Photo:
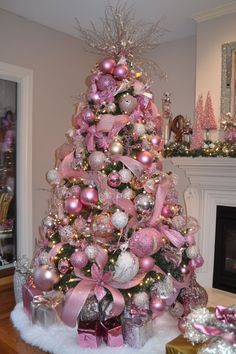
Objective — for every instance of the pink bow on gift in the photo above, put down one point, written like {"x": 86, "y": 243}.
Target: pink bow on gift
{"x": 216, "y": 332}
{"x": 97, "y": 283}
{"x": 226, "y": 315}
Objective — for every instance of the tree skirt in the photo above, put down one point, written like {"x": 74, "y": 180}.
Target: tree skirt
{"x": 60, "y": 339}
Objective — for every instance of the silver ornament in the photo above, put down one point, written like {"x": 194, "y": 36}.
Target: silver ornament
{"x": 91, "y": 251}
{"x": 128, "y": 193}
{"x": 126, "y": 175}
{"x": 111, "y": 107}
{"x": 66, "y": 233}
{"x": 97, "y": 160}
{"x": 126, "y": 267}
{"x": 49, "y": 222}
{"x": 119, "y": 219}
{"x": 141, "y": 299}
{"x": 144, "y": 203}
{"x": 192, "y": 251}
{"x": 139, "y": 129}
{"x": 53, "y": 177}
{"x": 90, "y": 310}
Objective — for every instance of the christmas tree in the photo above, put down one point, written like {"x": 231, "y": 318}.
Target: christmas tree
{"x": 197, "y": 140}
{"x": 115, "y": 241}
{"x": 209, "y": 121}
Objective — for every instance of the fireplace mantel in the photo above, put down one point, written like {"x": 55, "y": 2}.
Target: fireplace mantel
{"x": 212, "y": 182}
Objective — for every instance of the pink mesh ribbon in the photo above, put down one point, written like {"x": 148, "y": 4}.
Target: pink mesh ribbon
{"x": 98, "y": 283}
{"x": 173, "y": 236}
{"x": 134, "y": 166}
{"x": 159, "y": 201}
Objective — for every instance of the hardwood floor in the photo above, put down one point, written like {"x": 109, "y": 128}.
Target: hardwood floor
{"x": 10, "y": 341}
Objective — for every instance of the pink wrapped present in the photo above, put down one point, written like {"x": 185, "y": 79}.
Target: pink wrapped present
{"x": 29, "y": 291}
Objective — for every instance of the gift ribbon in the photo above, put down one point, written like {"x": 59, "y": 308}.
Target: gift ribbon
{"x": 216, "y": 332}
{"x": 226, "y": 314}
{"x": 97, "y": 283}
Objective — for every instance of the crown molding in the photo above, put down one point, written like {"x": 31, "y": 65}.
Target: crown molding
{"x": 217, "y": 12}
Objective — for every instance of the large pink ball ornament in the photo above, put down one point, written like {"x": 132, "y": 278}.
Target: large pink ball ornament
{"x": 166, "y": 211}
{"x": 94, "y": 97}
{"x": 107, "y": 65}
{"x": 72, "y": 205}
{"x": 146, "y": 263}
{"x": 145, "y": 157}
{"x": 157, "y": 305}
{"x": 145, "y": 242}
{"x": 105, "y": 81}
{"x": 89, "y": 196}
{"x": 79, "y": 259}
{"x": 97, "y": 160}
{"x": 127, "y": 104}
{"x": 114, "y": 179}
{"x": 45, "y": 277}
{"x": 121, "y": 71}
{"x": 88, "y": 115}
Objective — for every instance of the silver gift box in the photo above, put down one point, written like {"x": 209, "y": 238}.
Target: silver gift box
{"x": 46, "y": 309}
{"x": 137, "y": 330}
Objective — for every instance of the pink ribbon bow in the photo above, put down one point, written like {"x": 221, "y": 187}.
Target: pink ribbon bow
{"x": 226, "y": 314}
{"x": 216, "y": 332}
{"x": 97, "y": 283}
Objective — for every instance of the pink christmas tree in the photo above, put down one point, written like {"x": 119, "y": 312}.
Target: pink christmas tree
{"x": 197, "y": 136}
{"x": 209, "y": 121}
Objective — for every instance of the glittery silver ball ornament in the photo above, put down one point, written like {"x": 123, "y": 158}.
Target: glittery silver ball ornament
{"x": 128, "y": 193}
{"x": 126, "y": 267}
{"x": 139, "y": 129}
{"x": 66, "y": 233}
{"x": 97, "y": 160}
{"x": 53, "y": 177}
{"x": 141, "y": 299}
{"x": 192, "y": 251}
{"x": 49, "y": 222}
{"x": 119, "y": 219}
{"x": 126, "y": 175}
{"x": 111, "y": 107}
{"x": 144, "y": 203}
{"x": 116, "y": 148}
{"x": 177, "y": 309}
{"x": 90, "y": 310}
{"x": 43, "y": 258}
{"x": 91, "y": 251}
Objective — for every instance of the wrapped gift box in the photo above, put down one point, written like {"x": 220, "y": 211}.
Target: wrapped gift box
{"x": 90, "y": 334}
{"x": 112, "y": 332}
{"x": 29, "y": 291}
{"x": 46, "y": 309}
{"x": 180, "y": 345}
{"x": 137, "y": 330}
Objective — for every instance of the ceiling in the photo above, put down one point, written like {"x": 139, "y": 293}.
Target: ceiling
{"x": 176, "y": 15}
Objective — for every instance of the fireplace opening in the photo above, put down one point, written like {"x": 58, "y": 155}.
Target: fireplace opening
{"x": 224, "y": 276}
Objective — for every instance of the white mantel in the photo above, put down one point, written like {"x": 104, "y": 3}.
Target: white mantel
{"x": 212, "y": 182}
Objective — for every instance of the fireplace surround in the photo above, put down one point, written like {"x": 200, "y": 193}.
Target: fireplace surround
{"x": 211, "y": 184}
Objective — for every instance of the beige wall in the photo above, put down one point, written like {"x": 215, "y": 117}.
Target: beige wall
{"x": 60, "y": 65}
{"x": 210, "y": 36}
{"x": 177, "y": 60}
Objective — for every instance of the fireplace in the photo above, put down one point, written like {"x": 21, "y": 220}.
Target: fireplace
{"x": 224, "y": 275}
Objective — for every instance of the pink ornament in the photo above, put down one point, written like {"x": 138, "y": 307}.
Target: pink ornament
{"x": 72, "y": 205}
{"x": 105, "y": 82}
{"x": 156, "y": 141}
{"x": 114, "y": 179}
{"x": 79, "y": 259}
{"x": 45, "y": 277}
{"x": 145, "y": 157}
{"x": 157, "y": 304}
{"x": 128, "y": 103}
{"x": 166, "y": 211}
{"x": 102, "y": 227}
{"x": 184, "y": 269}
{"x": 196, "y": 262}
{"x": 121, "y": 71}
{"x": 65, "y": 221}
{"x": 94, "y": 97}
{"x": 145, "y": 242}
{"x": 88, "y": 196}
{"x": 146, "y": 263}
{"x": 63, "y": 266}
{"x": 107, "y": 65}
{"x": 88, "y": 115}
{"x": 75, "y": 190}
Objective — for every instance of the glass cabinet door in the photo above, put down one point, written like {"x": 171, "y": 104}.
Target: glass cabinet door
{"x": 8, "y": 126}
